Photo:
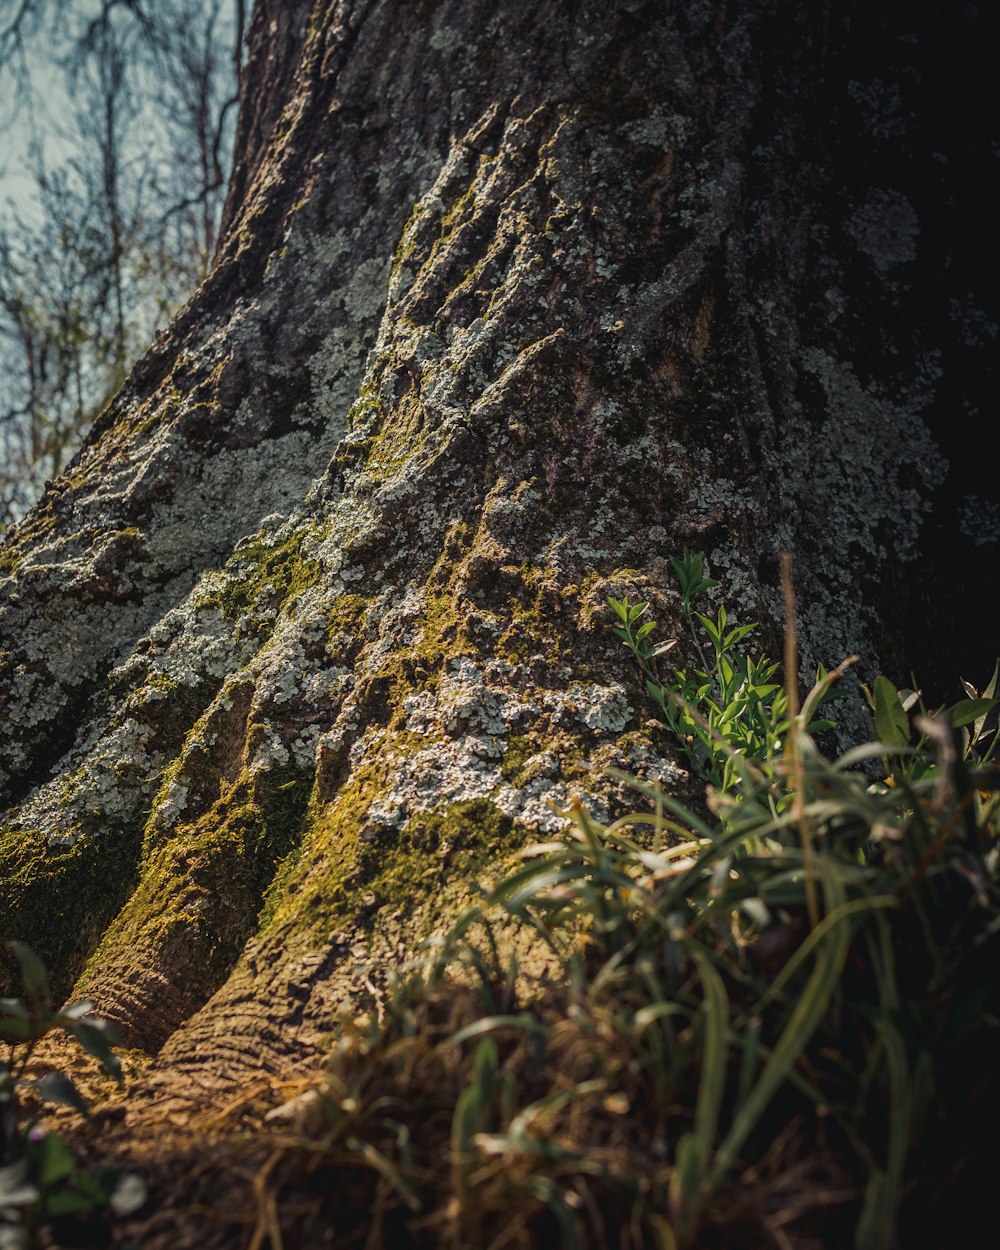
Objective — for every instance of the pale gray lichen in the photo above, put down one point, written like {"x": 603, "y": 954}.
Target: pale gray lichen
{"x": 975, "y": 327}
{"x": 600, "y": 707}
{"x": 858, "y": 463}
{"x": 979, "y": 520}
{"x": 881, "y": 105}
{"x": 886, "y": 228}
{"x": 464, "y": 769}
{"x": 857, "y": 480}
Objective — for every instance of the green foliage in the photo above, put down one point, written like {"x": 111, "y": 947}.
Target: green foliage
{"x": 904, "y": 725}
{"x": 729, "y": 711}
{"x": 47, "y": 1198}
{"x": 41, "y": 1185}
{"x": 23, "y": 1024}
{"x": 691, "y": 576}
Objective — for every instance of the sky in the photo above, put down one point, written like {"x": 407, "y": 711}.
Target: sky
{"x": 34, "y": 105}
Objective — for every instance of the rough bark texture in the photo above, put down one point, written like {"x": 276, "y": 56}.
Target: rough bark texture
{"x": 512, "y": 302}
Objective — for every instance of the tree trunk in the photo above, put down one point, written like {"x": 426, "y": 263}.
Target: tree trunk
{"x": 512, "y": 302}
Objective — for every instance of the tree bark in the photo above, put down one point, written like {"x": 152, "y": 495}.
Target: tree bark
{"x": 511, "y": 303}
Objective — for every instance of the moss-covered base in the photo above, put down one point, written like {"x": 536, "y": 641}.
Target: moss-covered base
{"x": 60, "y": 902}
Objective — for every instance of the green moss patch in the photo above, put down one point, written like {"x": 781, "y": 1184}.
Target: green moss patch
{"x": 348, "y": 868}
{"x": 60, "y": 901}
{"x": 201, "y": 889}
{"x": 262, "y": 575}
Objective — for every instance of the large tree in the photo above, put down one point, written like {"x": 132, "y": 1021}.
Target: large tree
{"x": 512, "y": 301}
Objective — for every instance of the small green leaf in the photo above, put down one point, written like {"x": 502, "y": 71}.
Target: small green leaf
{"x": 653, "y": 690}
{"x": 34, "y": 976}
{"x": 968, "y": 710}
{"x": 509, "y": 1095}
{"x": 96, "y": 1186}
{"x": 739, "y": 633}
{"x": 16, "y": 1189}
{"x": 55, "y": 1160}
{"x": 66, "y": 1203}
{"x": 891, "y": 722}
{"x": 710, "y": 629}
{"x": 465, "y": 1124}
{"x": 484, "y": 1069}
{"x": 15, "y": 1030}
{"x": 96, "y": 1037}
{"x": 59, "y": 1088}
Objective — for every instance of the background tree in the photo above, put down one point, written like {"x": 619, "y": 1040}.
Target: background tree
{"x": 118, "y": 222}
{"x": 510, "y": 303}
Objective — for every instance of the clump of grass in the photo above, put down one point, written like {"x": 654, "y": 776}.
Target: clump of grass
{"x": 775, "y": 1027}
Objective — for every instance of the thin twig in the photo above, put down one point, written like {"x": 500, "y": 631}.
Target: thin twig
{"x": 267, "y": 1214}
{"x": 793, "y": 752}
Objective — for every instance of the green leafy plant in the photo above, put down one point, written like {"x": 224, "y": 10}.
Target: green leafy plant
{"x": 41, "y": 1185}
{"x": 903, "y": 723}
{"x": 46, "y": 1197}
{"x": 23, "y": 1024}
{"x": 729, "y": 711}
